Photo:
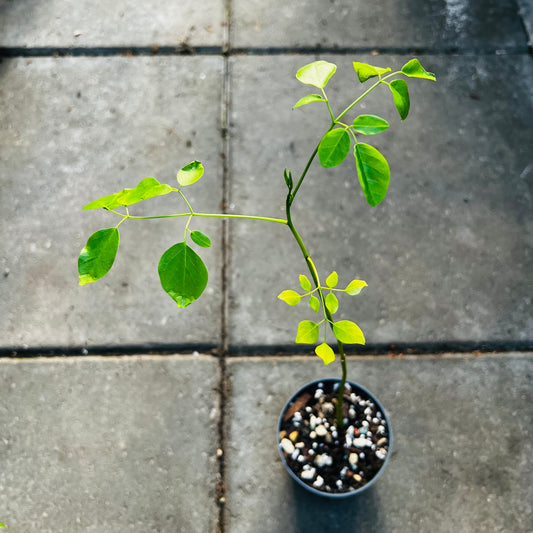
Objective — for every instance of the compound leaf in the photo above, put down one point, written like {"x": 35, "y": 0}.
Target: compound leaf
{"x": 183, "y": 274}
{"x": 98, "y": 255}
{"x": 314, "y": 303}
{"x": 325, "y": 353}
{"x": 332, "y": 304}
{"x": 400, "y": 94}
{"x": 334, "y": 147}
{"x": 147, "y": 188}
{"x": 414, "y": 69}
{"x": 373, "y": 172}
{"x": 317, "y": 73}
{"x": 309, "y": 99}
{"x": 290, "y": 297}
{"x": 355, "y": 287}
{"x": 365, "y": 71}
{"x": 307, "y": 332}
{"x": 190, "y": 173}
{"x": 201, "y": 239}
{"x": 348, "y": 332}
{"x": 369, "y": 124}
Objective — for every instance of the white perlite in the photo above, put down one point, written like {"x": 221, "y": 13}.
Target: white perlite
{"x": 308, "y": 474}
{"x": 362, "y": 443}
{"x": 288, "y": 446}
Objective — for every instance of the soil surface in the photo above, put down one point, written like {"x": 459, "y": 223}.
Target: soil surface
{"x": 328, "y": 458}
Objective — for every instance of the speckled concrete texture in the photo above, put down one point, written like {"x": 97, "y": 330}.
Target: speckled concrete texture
{"x": 448, "y": 254}
{"x": 461, "y": 459}
{"x": 109, "y": 444}
{"x": 71, "y": 23}
{"x": 75, "y": 129}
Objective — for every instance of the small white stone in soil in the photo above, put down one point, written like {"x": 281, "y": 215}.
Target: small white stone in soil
{"x": 375, "y": 421}
{"x": 300, "y": 445}
{"x": 328, "y": 438}
{"x": 363, "y": 430}
{"x": 321, "y": 430}
{"x": 381, "y": 430}
{"x": 288, "y": 446}
{"x": 308, "y": 474}
{"x": 381, "y": 453}
{"x": 325, "y": 423}
{"x": 301, "y": 458}
{"x": 348, "y": 440}
{"x": 379, "y": 415}
{"x": 357, "y": 477}
{"x": 295, "y": 454}
{"x": 311, "y": 452}
{"x": 312, "y": 435}
{"x": 328, "y": 408}
{"x": 308, "y": 409}
{"x": 382, "y": 441}
{"x": 353, "y": 459}
{"x": 334, "y": 434}
{"x": 365, "y": 423}
{"x": 368, "y": 411}
{"x": 351, "y": 412}
{"x": 339, "y": 483}
{"x": 314, "y": 421}
{"x": 362, "y": 443}
{"x": 319, "y": 481}
{"x": 297, "y": 416}
{"x": 323, "y": 460}
{"x": 343, "y": 472}
{"x": 362, "y": 456}
{"x": 319, "y": 393}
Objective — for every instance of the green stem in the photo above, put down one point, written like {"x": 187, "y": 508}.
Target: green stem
{"x": 328, "y": 317}
{"x": 381, "y": 80}
{"x": 210, "y": 215}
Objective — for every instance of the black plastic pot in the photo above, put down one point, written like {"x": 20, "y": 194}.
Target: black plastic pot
{"x": 364, "y": 394}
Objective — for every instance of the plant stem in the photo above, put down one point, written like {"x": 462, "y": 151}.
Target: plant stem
{"x": 210, "y": 215}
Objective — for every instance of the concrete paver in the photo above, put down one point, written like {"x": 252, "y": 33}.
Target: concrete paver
{"x": 462, "y": 447}
{"x": 71, "y": 23}
{"x": 75, "y": 129}
{"x": 448, "y": 254}
{"x": 495, "y": 24}
{"x": 109, "y": 444}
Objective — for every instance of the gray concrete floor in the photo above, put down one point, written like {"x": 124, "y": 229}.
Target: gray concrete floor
{"x": 153, "y": 418}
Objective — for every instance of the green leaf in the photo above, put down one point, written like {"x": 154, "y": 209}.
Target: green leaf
{"x": 325, "y": 353}
{"x": 307, "y": 332}
{"x": 400, "y": 93}
{"x": 355, "y": 287}
{"x": 348, "y": 332}
{"x": 290, "y": 297}
{"x": 98, "y": 256}
{"x": 2, "y": 525}
{"x": 304, "y": 282}
{"x": 309, "y": 99}
{"x": 365, "y": 71}
{"x": 414, "y": 69}
{"x": 332, "y": 304}
{"x": 369, "y": 124}
{"x": 201, "y": 239}
{"x": 183, "y": 274}
{"x": 317, "y": 73}
{"x": 147, "y": 188}
{"x": 314, "y": 303}
{"x": 332, "y": 280}
{"x": 373, "y": 172}
{"x": 334, "y": 148}
{"x": 190, "y": 173}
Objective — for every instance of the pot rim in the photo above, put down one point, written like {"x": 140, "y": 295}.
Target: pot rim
{"x": 334, "y": 495}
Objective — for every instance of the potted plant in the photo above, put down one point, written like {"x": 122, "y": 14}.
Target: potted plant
{"x": 333, "y": 435}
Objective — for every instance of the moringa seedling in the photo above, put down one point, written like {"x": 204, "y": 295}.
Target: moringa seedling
{"x": 182, "y": 272}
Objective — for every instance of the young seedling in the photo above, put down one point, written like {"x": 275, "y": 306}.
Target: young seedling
{"x": 182, "y": 272}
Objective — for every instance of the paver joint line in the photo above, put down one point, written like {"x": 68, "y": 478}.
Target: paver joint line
{"x": 155, "y": 50}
